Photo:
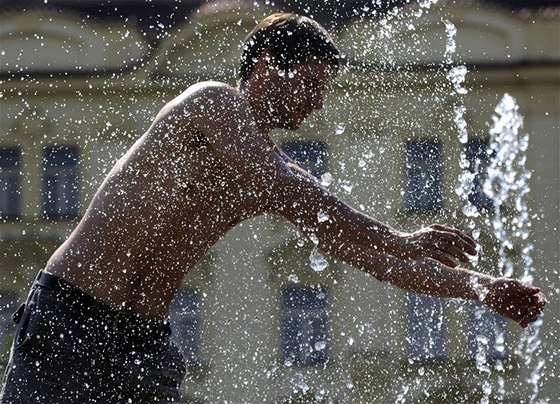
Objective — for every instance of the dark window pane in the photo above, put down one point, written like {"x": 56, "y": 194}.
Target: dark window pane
{"x": 305, "y": 326}
{"x": 424, "y": 179}
{"x": 185, "y": 324}
{"x": 479, "y": 160}
{"x": 310, "y": 155}
{"x": 427, "y": 327}
{"x": 61, "y": 182}
{"x": 486, "y": 332}
{"x": 10, "y": 182}
{"x": 10, "y": 157}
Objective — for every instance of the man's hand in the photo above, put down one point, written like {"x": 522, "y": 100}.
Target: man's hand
{"x": 513, "y": 299}
{"x": 441, "y": 243}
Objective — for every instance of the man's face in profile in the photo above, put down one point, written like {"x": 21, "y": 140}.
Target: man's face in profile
{"x": 296, "y": 93}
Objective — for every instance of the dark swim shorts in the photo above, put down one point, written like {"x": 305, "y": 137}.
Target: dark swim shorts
{"x": 69, "y": 348}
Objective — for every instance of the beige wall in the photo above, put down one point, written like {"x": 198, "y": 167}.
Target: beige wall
{"x": 242, "y": 279}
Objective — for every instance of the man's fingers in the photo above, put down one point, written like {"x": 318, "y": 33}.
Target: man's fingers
{"x": 453, "y": 251}
{"x": 528, "y": 319}
{"x": 535, "y": 309}
{"x": 537, "y": 299}
{"x": 539, "y": 305}
{"x": 530, "y": 291}
{"x": 456, "y": 232}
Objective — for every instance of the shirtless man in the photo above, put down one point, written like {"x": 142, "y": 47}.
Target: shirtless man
{"x": 94, "y": 327}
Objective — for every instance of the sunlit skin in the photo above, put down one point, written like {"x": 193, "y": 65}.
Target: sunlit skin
{"x": 206, "y": 163}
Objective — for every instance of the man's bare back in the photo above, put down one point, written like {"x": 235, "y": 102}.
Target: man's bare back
{"x": 164, "y": 203}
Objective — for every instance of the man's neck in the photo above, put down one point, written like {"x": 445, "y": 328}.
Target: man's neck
{"x": 257, "y": 105}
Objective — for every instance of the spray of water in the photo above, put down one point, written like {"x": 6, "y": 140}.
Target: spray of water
{"x": 465, "y": 187}
{"x": 507, "y": 185}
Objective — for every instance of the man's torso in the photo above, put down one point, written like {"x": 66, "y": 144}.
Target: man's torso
{"x": 158, "y": 211}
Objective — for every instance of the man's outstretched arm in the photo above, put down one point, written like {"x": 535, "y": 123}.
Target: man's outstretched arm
{"x": 441, "y": 243}
{"x": 347, "y": 234}
{"x": 424, "y": 274}
{"x": 347, "y": 225}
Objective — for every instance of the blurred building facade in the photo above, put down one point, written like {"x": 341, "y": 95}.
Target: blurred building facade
{"x": 80, "y": 83}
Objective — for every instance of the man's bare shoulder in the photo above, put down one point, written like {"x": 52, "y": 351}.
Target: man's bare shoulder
{"x": 213, "y": 109}
{"x": 209, "y": 92}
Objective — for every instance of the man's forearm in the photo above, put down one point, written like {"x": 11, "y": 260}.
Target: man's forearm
{"x": 315, "y": 210}
{"x": 424, "y": 276}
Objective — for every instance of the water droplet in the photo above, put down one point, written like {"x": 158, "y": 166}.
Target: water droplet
{"x": 326, "y": 179}
{"x": 479, "y": 289}
{"x": 476, "y": 234}
{"x": 340, "y": 128}
{"x": 457, "y": 77}
{"x": 322, "y": 216}
{"x": 314, "y": 239}
{"x": 347, "y": 186}
{"x": 320, "y": 395}
{"x": 320, "y": 345}
{"x": 317, "y": 261}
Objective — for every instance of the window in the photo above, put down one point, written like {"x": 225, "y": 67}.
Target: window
{"x": 184, "y": 323}
{"x": 310, "y": 155}
{"x": 61, "y": 182}
{"x": 486, "y": 332}
{"x": 10, "y": 182}
{"x": 427, "y": 327}
{"x": 424, "y": 188}
{"x": 305, "y": 326}
{"x": 479, "y": 160}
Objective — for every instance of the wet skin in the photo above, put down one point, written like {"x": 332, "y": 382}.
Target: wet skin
{"x": 207, "y": 163}
{"x": 167, "y": 201}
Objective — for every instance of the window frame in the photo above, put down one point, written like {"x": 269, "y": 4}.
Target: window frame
{"x": 423, "y": 325}
{"x": 317, "y": 149}
{"x": 52, "y": 173}
{"x": 316, "y": 313}
{"x": 182, "y": 314}
{"x": 14, "y": 190}
{"x": 479, "y": 167}
{"x": 416, "y": 169}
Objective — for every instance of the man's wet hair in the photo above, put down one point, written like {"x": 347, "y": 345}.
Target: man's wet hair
{"x": 292, "y": 38}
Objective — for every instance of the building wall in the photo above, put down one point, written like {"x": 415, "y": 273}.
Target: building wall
{"x": 110, "y": 93}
